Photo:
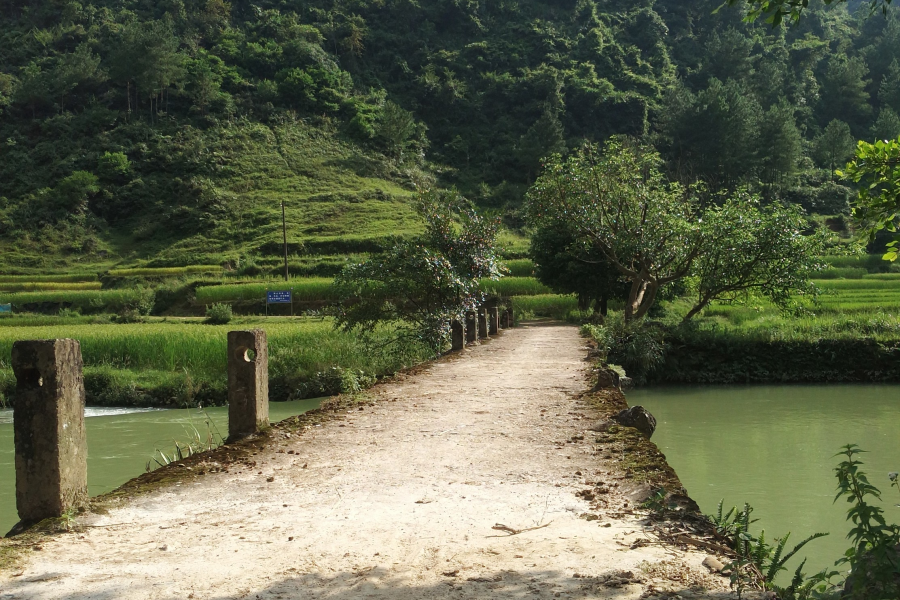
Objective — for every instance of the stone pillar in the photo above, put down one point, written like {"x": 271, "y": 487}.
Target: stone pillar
{"x": 482, "y": 324}
{"x": 50, "y": 442}
{"x": 457, "y": 335}
{"x": 248, "y": 383}
{"x": 493, "y": 320}
{"x": 471, "y": 327}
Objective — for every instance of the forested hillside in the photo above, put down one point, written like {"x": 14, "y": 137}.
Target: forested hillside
{"x": 170, "y": 131}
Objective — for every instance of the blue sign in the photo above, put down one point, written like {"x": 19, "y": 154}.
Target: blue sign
{"x": 5, "y": 308}
{"x": 278, "y": 297}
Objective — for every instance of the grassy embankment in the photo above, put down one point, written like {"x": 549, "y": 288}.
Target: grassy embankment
{"x": 852, "y": 333}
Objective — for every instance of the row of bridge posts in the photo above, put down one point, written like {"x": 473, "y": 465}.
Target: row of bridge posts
{"x": 48, "y": 422}
{"x": 49, "y": 433}
{"x": 485, "y": 322}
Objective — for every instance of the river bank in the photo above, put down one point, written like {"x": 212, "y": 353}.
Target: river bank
{"x": 477, "y": 475}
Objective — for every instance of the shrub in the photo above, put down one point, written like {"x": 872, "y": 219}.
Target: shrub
{"x": 218, "y": 314}
{"x": 129, "y": 315}
{"x": 639, "y": 347}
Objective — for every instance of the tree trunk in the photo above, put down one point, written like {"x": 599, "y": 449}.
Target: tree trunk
{"x": 697, "y": 308}
{"x": 647, "y": 299}
{"x": 636, "y": 297}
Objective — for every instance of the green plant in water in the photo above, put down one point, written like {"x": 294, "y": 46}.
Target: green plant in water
{"x": 196, "y": 443}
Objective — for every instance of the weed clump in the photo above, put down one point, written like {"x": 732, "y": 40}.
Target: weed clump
{"x": 218, "y": 314}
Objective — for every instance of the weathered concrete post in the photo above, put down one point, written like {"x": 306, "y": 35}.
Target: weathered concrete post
{"x": 248, "y": 383}
{"x": 457, "y": 336}
{"x": 48, "y": 428}
{"x": 482, "y": 324}
{"x": 471, "y": 327}
{"x": 493, "y": 320}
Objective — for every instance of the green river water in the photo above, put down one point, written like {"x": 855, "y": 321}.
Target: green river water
{"x": 774, "y": 447}
{"x": 121, "y": 441}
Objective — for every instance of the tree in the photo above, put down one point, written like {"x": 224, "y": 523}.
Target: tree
{"x": 543, "y": 138}
{"x": 617, "y": 203}
{"x": 728, "y": 55}
{"x": 715, "y": 133}
{"x": 71, "y": 194}
{"x": 146, "y": 56}
{"x": 567, "y": 268}
{"x": 844, "y": 94}
{"x": 889, "y": 90}
{"x": 752, "y": 248}
{"x": 8, "y": 85}
{"x": 78, "y": 67}
{"x": 395, "y": 128}
{"x": 774, "y": 11}
{"x": 834, "y": 145}
{"x": 887, "y": 126}
{"x": 876, "y": 171}
{"x": 420, "y": 285}
{"x": 780, "y": 143}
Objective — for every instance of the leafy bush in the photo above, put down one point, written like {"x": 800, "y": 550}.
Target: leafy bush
{"x": 335, "y": 380}
{"x": 218, "y": 314}
{"x": 129, "y": 315}
{"x": 639, "y": 347}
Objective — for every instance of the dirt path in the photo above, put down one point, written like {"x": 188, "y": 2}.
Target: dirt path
{"x": 398, "y": 500}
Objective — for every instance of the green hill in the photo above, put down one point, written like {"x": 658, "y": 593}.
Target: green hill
{"x": 168, "y": 133}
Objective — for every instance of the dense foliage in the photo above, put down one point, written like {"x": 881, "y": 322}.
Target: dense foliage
{"x": 419, "y": 286}
{"x": 616, "y": 203}
{"x": 876, "y": 168}
{"x": 123, "y": 116}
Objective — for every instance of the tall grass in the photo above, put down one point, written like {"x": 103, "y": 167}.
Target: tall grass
{"x": 165, "y": 271}
{"x": 70, "y": 278}
{"x": 34, "y": 286}
{"x": 87, "y": 300}
{"x": 842, "y": 273}
{"x": 556, "y": 306}
{"x": 873, "y": 263}
{"x": 299, "y": 350}
{"x": 520, "y": 267}
{"x": 312, "y": 289}
{"x": 514, "y": 286}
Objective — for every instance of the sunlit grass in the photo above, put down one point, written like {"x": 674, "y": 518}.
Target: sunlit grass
{"x": 310, "y": 289}
{"x": 34, "y": 286}
{"x": 165, "y": 271}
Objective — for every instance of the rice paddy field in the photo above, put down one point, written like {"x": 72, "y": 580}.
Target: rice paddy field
{"x": 180, "y": 354}
{"x": 172, "y": 360}
{"x": 308, "y": 289}
{"x": 845, "y": 308}
{"x": 87, "y": 300}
